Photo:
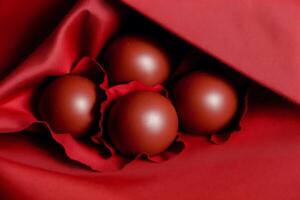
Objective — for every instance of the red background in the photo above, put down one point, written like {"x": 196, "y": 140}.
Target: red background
{"x": 259, "y": 162}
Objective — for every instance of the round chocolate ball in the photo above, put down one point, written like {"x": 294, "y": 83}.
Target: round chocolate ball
{"x": 142, "y": 122}
{"x": 205, "y": 103}
{"x": 68, "y": 105}
{"x": 136, "y": 58}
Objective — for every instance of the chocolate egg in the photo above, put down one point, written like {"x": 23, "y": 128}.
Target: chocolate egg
{"x": 136, "y": 58}
{"x": 68, "y": 105}
{"x": 205, "y": 103}
{"x": 142, "y": 122}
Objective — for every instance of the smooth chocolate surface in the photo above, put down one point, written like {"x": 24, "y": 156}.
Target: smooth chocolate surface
{"x": 205, "y": 103}
{"x": 142, "y": 122}
{"x": 136, "y": 58}
{"x": 68, "y": 105}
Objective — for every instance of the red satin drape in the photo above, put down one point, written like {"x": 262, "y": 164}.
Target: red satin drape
{"x": 42, "y": 38}
{"x": 258, "y": 38}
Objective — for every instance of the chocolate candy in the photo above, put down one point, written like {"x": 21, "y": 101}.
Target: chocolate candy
{"x": 136, "y": 58}
{"x": 142, "y": 122}
{"x": 68, "y": 105}
{"x": 204, "y": 102}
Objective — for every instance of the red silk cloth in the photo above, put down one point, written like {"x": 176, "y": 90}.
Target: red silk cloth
{"x": 48, "y": 38}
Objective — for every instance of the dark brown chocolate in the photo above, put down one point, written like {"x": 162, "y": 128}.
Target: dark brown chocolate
{"x": 142, "y": 122}
{"x": 68, "y": 105}
{"x": 205, "y": 103}
{"x": 136, "y": 58}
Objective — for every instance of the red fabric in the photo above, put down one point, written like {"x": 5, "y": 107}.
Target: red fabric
{"x": 258, "y": 38}
{"x": 260, "y": 162}
{"x": 72, "y": 48}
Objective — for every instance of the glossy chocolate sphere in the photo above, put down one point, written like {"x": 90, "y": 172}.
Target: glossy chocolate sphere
{"x": 205, "y": 103}
{"x": 68, "y": 105}
{"x": 142, "y": 122}
{"x": 136, "y": 58}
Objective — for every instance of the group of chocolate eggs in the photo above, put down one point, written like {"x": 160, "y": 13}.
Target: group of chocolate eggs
{"x": 142, "y": 121}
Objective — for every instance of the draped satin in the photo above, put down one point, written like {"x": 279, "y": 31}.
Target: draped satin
{"x": 261, "y": 161}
